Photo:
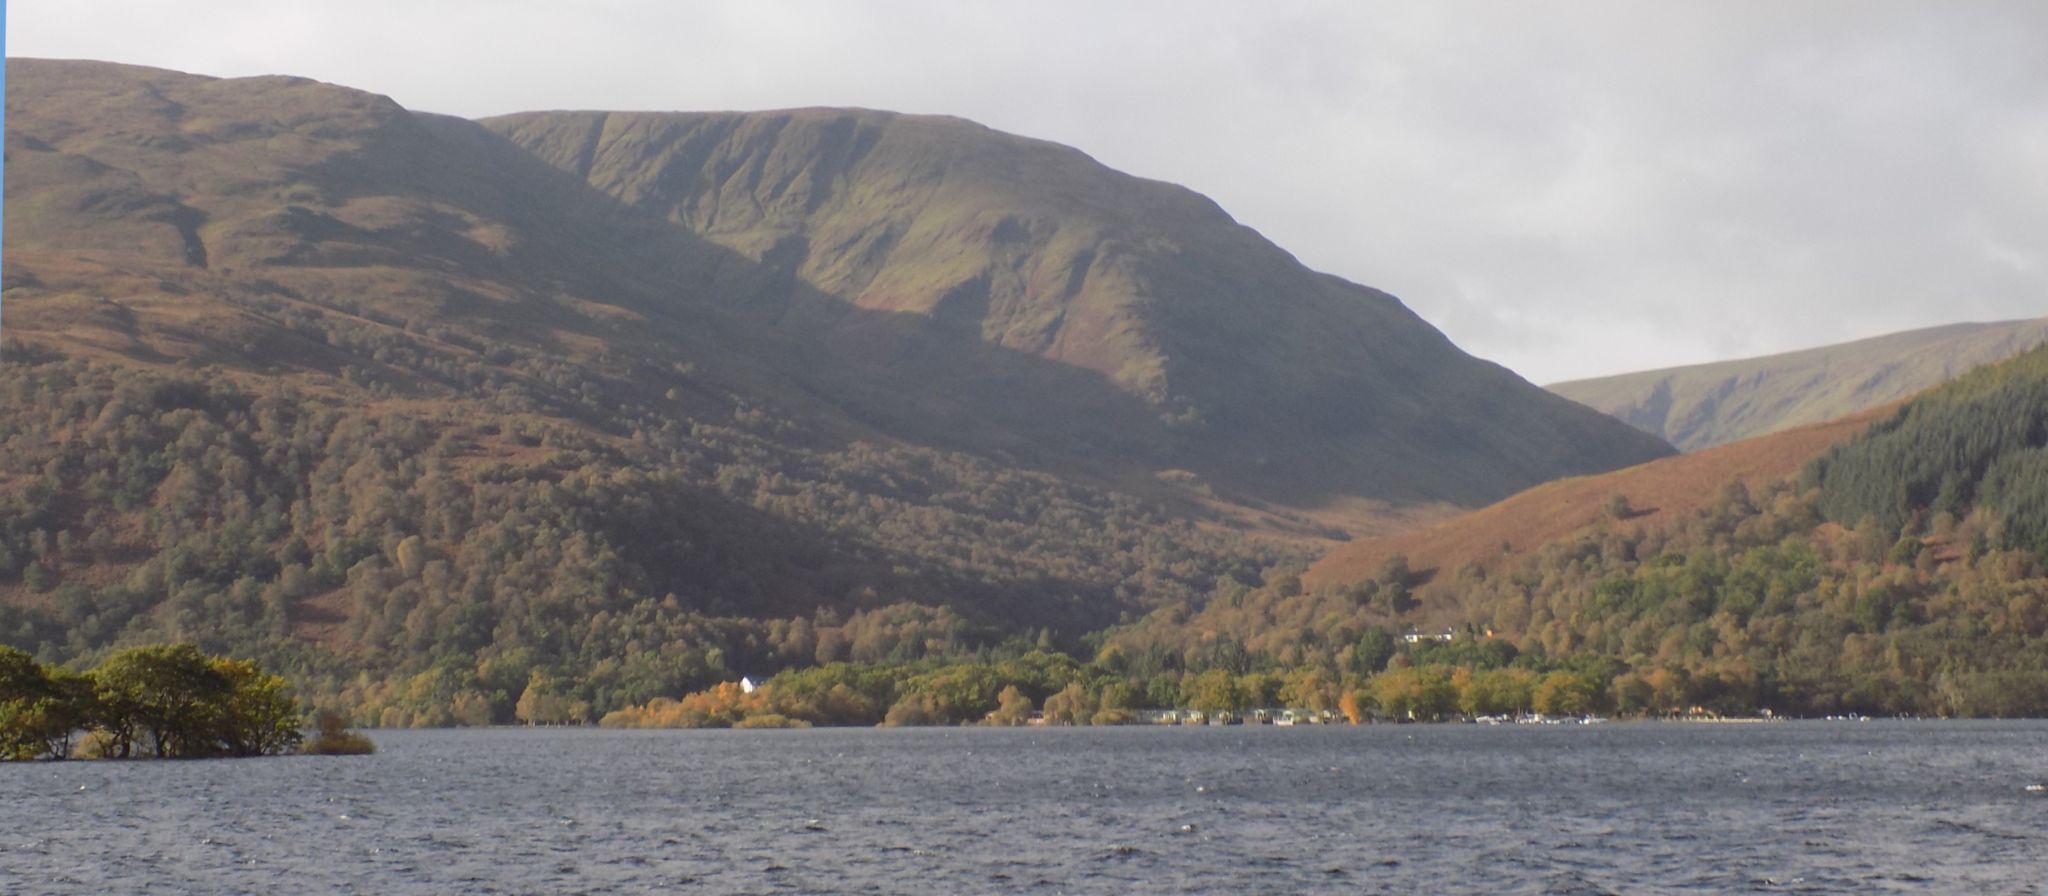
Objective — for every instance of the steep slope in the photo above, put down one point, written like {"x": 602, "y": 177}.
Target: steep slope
{"x": 1654, "y": 495}
{"x": 1711, "y": 404}
{"x": 1263, "y": 376}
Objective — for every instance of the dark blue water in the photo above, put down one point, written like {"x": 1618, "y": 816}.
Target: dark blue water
{"x": 1618, "y": 808}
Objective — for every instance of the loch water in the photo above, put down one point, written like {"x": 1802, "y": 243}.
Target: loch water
{"x": 1795, "y": 807}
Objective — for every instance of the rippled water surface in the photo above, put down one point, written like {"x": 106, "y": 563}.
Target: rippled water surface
{"x": 1618, "y": 808}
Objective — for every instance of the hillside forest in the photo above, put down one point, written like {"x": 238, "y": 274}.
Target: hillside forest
{"x": 1901, "y": 572}
{"x": 441, "y": 567}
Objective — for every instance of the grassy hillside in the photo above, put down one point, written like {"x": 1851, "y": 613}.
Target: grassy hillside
{"x": 1711, "y": 404}
{"x": 1261, "y": 376}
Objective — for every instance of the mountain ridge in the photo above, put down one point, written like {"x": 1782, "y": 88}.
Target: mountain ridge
{"x": 1701, "y": 405}
{"x": 1123, "y": 280}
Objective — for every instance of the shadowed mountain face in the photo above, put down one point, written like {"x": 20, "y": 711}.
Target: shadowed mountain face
{"x": 1711, "y": 404}
{"x": 217, "y": 218}
{"x": 165, "y": 217}
{"x": 1259, "y": 374}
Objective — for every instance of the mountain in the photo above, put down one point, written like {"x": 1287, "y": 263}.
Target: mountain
{"x": 1711, "y": 404}
{"x": 1264, "y": 376}
{"x": 430, "y": 420}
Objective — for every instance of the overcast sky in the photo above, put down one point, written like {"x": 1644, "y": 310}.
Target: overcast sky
{"x": 1571, "y": 188}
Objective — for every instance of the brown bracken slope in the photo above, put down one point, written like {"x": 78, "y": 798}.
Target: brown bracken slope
{"x": 1658, "y": 493}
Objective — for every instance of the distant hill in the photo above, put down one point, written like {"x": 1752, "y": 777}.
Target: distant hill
{"x": 393, "y": 403}
{"x": 1711, "y": 404}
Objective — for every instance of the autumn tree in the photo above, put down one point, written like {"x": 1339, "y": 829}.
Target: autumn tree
{"x": 544, "y": 703}
{"x": 1309, "y": 687}
{"x": 1012, "y": 707}
{"x": 1213, "y": 692}
{"x": 1356, "y": 705}
{"x": 1423, "y": 694}
{"x": 1114, "y": 704}
{"x": 1566, "y": 693}
{"x": 914, "y": 709}
{"x": 1070, "y": 706}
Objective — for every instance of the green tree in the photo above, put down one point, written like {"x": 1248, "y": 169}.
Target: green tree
{"x": 1395, "y": 583}
{"x": 1619, "y": 508}
{"x": 1214, "y": 691}
{"x": 259, "y": 716}
{"x": 173, "y": 701}
{"x": 161, "y": 699}
{"x": 39, "y": 708}
{"x": 1260, "y": 689}
{"x": 1163, "y": 690}
{"x": 1372, "y": 652}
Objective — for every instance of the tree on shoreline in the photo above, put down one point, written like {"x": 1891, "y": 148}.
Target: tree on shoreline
{"x": 163, "y": 701}
{"x": 37, "y": 714}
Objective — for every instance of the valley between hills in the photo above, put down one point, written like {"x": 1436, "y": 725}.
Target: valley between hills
{"x": 562, "y": 417}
